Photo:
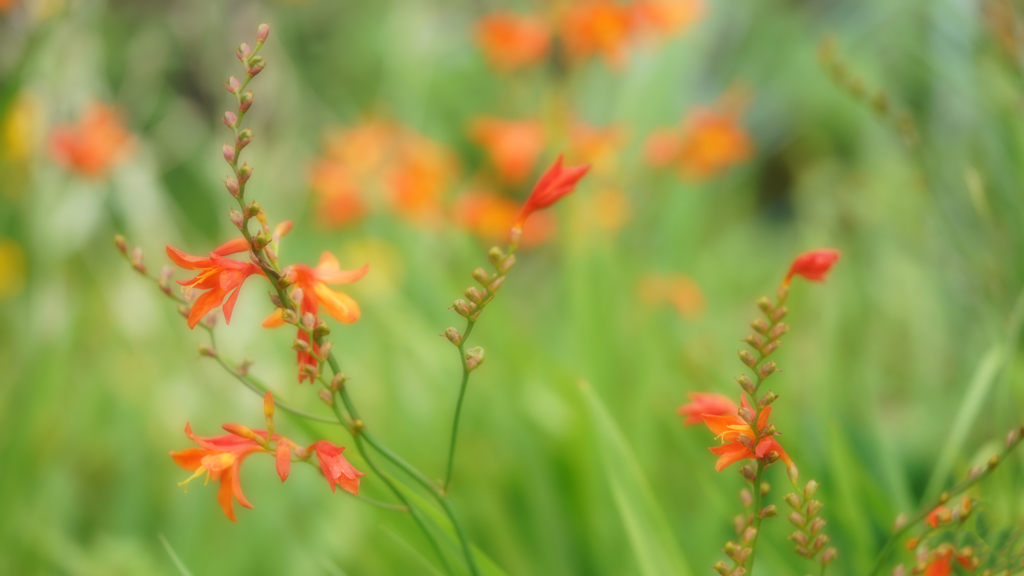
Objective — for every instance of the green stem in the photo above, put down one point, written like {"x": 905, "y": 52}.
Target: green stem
{"x": 262, "y": 389}
{"x": 757, "y": 515}
{"x": 458, "y": 406}
{"x": 945, "y": 497}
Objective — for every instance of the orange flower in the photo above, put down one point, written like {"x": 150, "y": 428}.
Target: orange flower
{"x": 940, "y": 515}
{"x": 419, "y": 176}
{"x": 712, "y": 142}
{"x": 706, "y": 404}
{"x": 337, "y": 470}
{"x": 513, "y": 146}
{"x": 490, "y": 216}
{"x": 813, "y": 265}
{"x": 220, "y": 277}
{"x": 313, "y": 282}
{"x": 597, "y": 27}
{"x": 599, "y": 147}
{"x": 510, "y": 41}
{"x": 221, "y": 459}
{"x": 738, "y": 437}
{"x": 555, "y": 183}
{"x": 93, "y": 145}
{"x": 679, "y": 290}
{"x": 942, "y": 565}
{"x": 667, "y": 17}
{"x": 340, "y": 203}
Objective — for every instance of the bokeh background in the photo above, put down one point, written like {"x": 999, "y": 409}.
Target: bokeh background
{"x": 726, "y": 138}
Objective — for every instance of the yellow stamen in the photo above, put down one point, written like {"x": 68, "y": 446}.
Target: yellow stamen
{"x": 199, "y": 472}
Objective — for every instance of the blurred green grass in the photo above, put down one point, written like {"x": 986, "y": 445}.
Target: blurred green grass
{"x": 99, "y": 374}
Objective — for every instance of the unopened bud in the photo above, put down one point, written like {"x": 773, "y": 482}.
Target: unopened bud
{"x": 780, "y": 313}
{"x": 236, "y": 218}
{"x": 245, "y": 102}
{"x": 260, "y": 241}
{"x": 453, "y": 336}
{"x": 321, "y": 329}
{"x": 767, "y": 399}
{"x": 747, "y": 358}
{"x": 816, "y": 526}
{"x": 770, "y": 347}
{"x": 747, "y": 415}
{"x": 820, "y": 542}
{"x": 769, "y": 511}
{"x": 298, "y": 295}
{"x": 496, "y": 256}
{"x": 760, "y": 326}
{"x": 289, "y": 316}
{"x": 769, "y": 430}
{"x": 793, "y": 473}
{"x": 325, "y": 349}
{"x": 207, "y": 350}
{"x": 461, "y": 307}
{"x": 741, "y": 571}
{"x": 722, "y": 568}
{"x": 243, "y": 51}
{"x": 745, "y": 383}
{"x": 240, "y": 431}
{"x": 256, "y": 66}
{"x": 794, "y": 501}
{"x": 481, "y": 276}
{"x": 309, "y": 371}
{"x": 244, "y": 137}
{"x": 326, "y": 397}
{"x": 765, "y": 305}
{"x": 746, "y": 498}
{"x": 474, "y": 357}
{"x": 778, "y": 331}
{"x": 754, "y": 341}
{"x": 301, "y": 346}
{"x": 233, "y": 85}
{"x": 944, "y": 497}
{"x": 137, "y": 259}
{"x": 268, "y": 405}
{"x": 731, "y": 549}
{"x": 230, "y": 119}
{"x": 829, "y": 555}
{"x": 122, "y": 244}
{"x": 813, "y": 507}
{"x": 229, "y": 153}
{"x": 966, "y": 504}
{"x": 746, "y": 441}
{"x": 740, "y": 523}
{"x": 253, "y": 208}
{"x": 507, "y": 264}
{"x": 309, "y": 321}
{"x": 232, "y": 185}
{"x": 748, "y": 473}
{"x": 782, "y": 293}
{"x": 798, "y": 538}
{"x": 810, "y": 488}
{"x": 900, "y": 522}
{"x": 765, "y": 489}
{"x": 749, "y": 534}
{"x": 767, "y": 370}
{"x": 495, "y": 284}
{"x": 243, "y": 368}
{"x": 993, "y": 462}
{"x": 772, "y": 457}
{"x": 338, "y": 381}
{"x": 244, "y": 173}
{"x": 797, "y": 519}
{"x": 473, "y": 295}
{"x": 262, "y": 33}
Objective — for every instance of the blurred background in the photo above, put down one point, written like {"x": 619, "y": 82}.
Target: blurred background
{"x": 725, "y": 137}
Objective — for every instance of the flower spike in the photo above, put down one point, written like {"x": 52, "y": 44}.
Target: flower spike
{"x": 813, "y": 265}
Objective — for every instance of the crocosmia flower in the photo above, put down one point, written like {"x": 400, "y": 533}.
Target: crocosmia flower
{"x": 706, "y": 404}
{"x": 220, "y": 458}
{"x": 813, "y": 265}
{"x": 219, "y": 277}
{"x": 510, "y": 41}
{"x": 512, "y": 146}
{"x": 317, "y": 294}
{"x": 337, "y": 470}
{"x": 597, "y": 27}
{"x": 93, "y": 145}
{"x": 666, "y": 17}
{"x": 712, "y": 142}
{"x": 555, "y": 183}
{"x": 730, "y": 427}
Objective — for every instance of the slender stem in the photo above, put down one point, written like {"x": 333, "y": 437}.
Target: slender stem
{"x": 458, "y": 406}
{"x": 261, "y": 389}
{"x": 945, "y": 497}
{"x": 757, "y": 514}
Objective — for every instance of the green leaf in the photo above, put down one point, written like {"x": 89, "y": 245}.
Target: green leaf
{"x": 648, "y": 530}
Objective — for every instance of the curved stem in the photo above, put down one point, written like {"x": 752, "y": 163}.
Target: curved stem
{"x": 945, "y": 497}
{"x": 757, "y": 514}
{"x": 458, "y": 406}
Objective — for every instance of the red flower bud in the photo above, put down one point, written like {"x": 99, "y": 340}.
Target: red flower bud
{"x": 262, "y": 33}
{"x": 230, "y": 119}
{"x": 233, "y": 85}
{"x": 555, "y": 183}
{"x": 813, "y": 265}
{"x": 229, "y": 153}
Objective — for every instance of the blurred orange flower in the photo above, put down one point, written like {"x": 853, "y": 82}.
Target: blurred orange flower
{"x": 667, "y": 17}
{"x": 710, "y": 142}
{"x": 679, "y": 290}
{"x": 706, "y": 404}
{"x": 598, "y": 146}
{"x": 93, "y": 145}
{"x": 510, "y": 41}
{"x": 512, "y": 146}
{"x": 381, "y": 164}
{"x": 490, "y": 216}
{"x": 597, "y": 27}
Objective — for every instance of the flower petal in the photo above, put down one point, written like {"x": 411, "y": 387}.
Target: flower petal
{"x": 275, "y": 320}
{"x": 338, "y": 304}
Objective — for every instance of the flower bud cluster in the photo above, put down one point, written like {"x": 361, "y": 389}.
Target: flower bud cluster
{"x": 478, "y": 298}
{"x": 809, "y": 538}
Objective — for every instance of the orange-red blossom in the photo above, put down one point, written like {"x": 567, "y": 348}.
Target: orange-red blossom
{"x": 555, "y": 183}
{"x": 313, "y": 283}
{"x": 738, "y": 438}
{"x": 220, "y": 277}
{"x": 813, "y": 265}
{"x": 706, "y": 404}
